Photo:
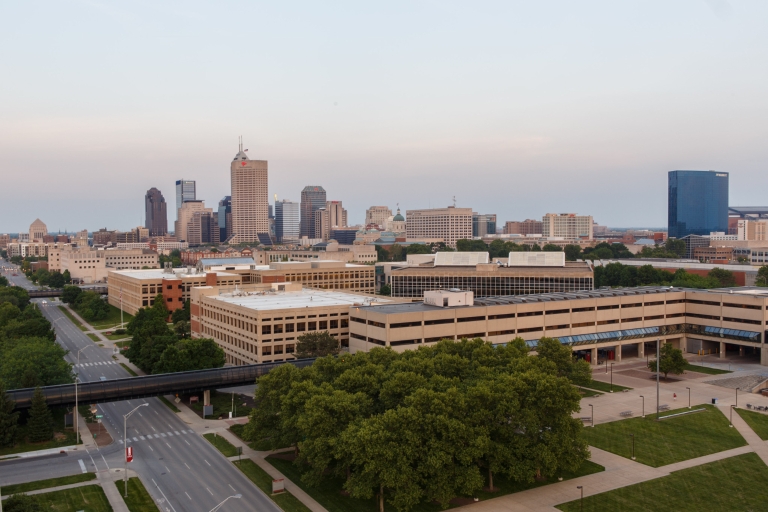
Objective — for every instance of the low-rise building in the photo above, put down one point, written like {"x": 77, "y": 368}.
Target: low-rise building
{"x": 722, "y": 255}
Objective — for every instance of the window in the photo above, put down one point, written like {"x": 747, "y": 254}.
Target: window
{"x": 583, "y": 324}
{"x": 471, "y": 319}
{"x": 742, "y": 321}
{"x": 313, "y": 326}
{"x": 637, "y": 319}
{"x": 290, "y": 327}
{"x": 301, "y": 326}
{"x": 635, "y": 305}
{"x": 530, "y": 313}
{"x": 606, "y": 322}
{"x": 334, "y": 324}
{"x": 654, "y": 317}
{"x": 582, "y": 310}
{"x": 324, "y": 325}
{"x": 439, "y": 321}
{"x": 558, "y": 311}
{"x": 498, "y": 317}
{"x": 658, "y": 303}
{"x": 278, "y": 329}
{"x": 530, "y": 329}
{"x": 405, "y": 324}
{"x": 609, "y": 306}
{"x": 376, "y": 324}
{"x": 744, "y": 306}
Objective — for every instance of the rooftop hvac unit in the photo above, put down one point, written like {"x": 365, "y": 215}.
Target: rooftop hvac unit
{"x": 536, "y": 259}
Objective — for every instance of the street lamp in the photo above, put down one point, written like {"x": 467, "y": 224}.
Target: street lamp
{"x": 633, "y": 445}
{"x": 730, "y": 419}
{"x": 581, "y": 488}
{"x": 606, "y": 365}
{"x": 593, "y": 415}
{"x": 689, "y": 396}
{"x": 737, "y": 397}
{"x": 125, "y": 444}
{"x": 77, "y": 378}
{"x": 217, "y": 507}
{"x": 641, "y": 396}
{"x": 612, "y": 377}
{"x": 658, "y": 369}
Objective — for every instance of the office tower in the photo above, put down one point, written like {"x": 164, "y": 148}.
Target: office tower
{"x": 526, "y": 227}
{"x": 186, "y": 212}
{"x": 203, "y": 228}
{"x": 698, "y": 203}
{"x": 312, "y": 199}
{"x": 225, "y": 218}
{"x": 249, "y": 198}
{"x": 337, "y": 215}
{"x": 483, "y": 224}
{"x": 37, "y": 230}
{"x": 322, "y": 230}
{"x": 446, "y": 224}
{"x": 287, "y": 220}
{"x": 567, "y": 225}
{"x": 156, "y": 214}
{"x": 186, "y": 190}
{"x": 377, "y": 215}
{"x": 271, "y": 213}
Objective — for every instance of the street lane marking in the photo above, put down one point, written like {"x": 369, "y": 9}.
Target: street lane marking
{"x": 164, "y": 496}
{"x": 135, "y": 439}
{"x": 187, "y": 442}
{"x": 187, "y": 466}
{"x": 82, "y": 466}
{"x": 188, "y": 496}
{"x": 105, "y": 461}
{"x": 209, "y": 491}
{"x": 230, "y": 486}
{"x": 207, "y": 462}
{"x": 168, "y": 470}
{"x": 141, "y": 437}
{"x": 153, "y": 428}
{"x": 163, "y": 434}
{"x": 169, "y": 446}
{"x": 170, "y": 434}
{"x": 177, "y": 432}
{"x": 151, "y": 448}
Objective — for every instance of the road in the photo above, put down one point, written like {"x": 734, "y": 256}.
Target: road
{"x": 181, "y": 470}
{"x": 8, "y": 269}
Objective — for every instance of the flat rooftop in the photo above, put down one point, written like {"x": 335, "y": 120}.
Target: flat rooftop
{"x": 577, "y": 267}
{"x": 306, "y": 298}
{"x": 159, "y": 273}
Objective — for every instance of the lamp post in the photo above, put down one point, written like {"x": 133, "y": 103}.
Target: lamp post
{"x": 641, "y": 396}
{"x": 658, "y": 368}
{"x": 689, "y": 396}
{"x": 581, "y": 501}
{"x": 217, "y": 507}
{"x": 730, "y": 418}
{"x": 593, "y": 415}
{"x": 606, "y": 365}
{"x": 612, "y": 377}
{"x": 737, "y": 397}
{"x": 77, "y": 378}
{"x": 125, "y": 444}
{"x": 633, "y": 445}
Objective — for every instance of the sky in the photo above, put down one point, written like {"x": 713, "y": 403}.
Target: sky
{"x": 516, "y": 108}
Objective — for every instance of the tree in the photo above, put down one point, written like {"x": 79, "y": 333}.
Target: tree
{"x": 70, "y": 294}
{"x": 676, "y": 247}
{"x": 8, "y": 419}
{"x": 22, "y": 503}
{"x": 3, "y": 281}
{"x": 572, "y": 252}
{"x": 762, "y": 276}
{"x": 385, "y": 290}
{"x": 551, "y": 248}
{"x": 40, "y": 422}
{"x": 316, "y": 344}
{"x": 56, "y": 280}
{"x": 182, "y": 328}
{"x": 30, "y": 362}
{"x": 672, "y": 361}
{"x": 159, "y": 307}
{"x": 67, "y": 277}
{"x": 723, "y": 276}
{"x": 182, "y": 314}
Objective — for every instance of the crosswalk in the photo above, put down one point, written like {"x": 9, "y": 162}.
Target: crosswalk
{"x": 98, "y": 363}
{"x": 155, "y": 436}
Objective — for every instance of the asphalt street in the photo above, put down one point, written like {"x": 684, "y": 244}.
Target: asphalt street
{"x": 180, "y": 469}
{"x": 18, "y": 280}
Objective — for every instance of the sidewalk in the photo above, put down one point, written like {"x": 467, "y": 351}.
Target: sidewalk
{"x": 757, "y": 445}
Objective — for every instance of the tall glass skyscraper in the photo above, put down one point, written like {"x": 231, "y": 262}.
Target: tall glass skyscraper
{"x": 287, "y": 220}
{"x": 186, "y": 190}
{"x": 698, "y": 203}
{"x": 312, "y": 199}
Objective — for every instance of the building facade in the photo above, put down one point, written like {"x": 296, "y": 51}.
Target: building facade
{"x": 312, "y": 199}
{"x": 186, "y": 190}
{"x": 250, "y": 198}
{"x": 567, "y": 225}
{"x": 526, "y": 227}
{"x": 448, "y": 224}
{"x": 225, "y": 218}
{"x": 483, "y": 224}
{"x": 37, "y": 231}
{"x": 186, "y": 213}
{"x": 697, "y": 203}
{"x": 377, "y": 215}
{"x": 287, "y": 221}
{"x": 155, "y": 213}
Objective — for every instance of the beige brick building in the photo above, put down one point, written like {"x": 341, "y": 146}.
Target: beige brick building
{"x": 448, "y": 224}
{"x": 567, "y": 225}
{"x": 250, "y": 198}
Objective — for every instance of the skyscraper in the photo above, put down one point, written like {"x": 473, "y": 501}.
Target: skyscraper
{"x": 186, "y": 190}
{"x": 483, "y": 224}
{"x": 698, "y": 203}
{"x": 225, "y": 218}
{"x": 249, "y": 198}
{"x": 156, "y": 214}
{"x": 312, "y": 199}
{"x": 287, "y": 220}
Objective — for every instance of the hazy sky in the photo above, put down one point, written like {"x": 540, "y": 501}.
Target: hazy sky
{"x": 515, "y": 108}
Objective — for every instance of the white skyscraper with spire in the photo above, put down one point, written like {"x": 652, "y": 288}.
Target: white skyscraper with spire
{"x": 250, "y": 198}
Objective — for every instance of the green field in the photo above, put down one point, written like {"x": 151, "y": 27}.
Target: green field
{"x": 704, "y": 369}
{"x": 89, "y": 498}
{"x": 112, "y": 320}
{"x": 93, "y": 337}
{"x": 757, "y": 421}
{"x": 330, "y": 497}
{"x": 605, "y": 386}
{"x": 658, "y": 443}
{"x": 117, "y": 337}
{"x": 738, "y": 484}
{"x": 221, "y": 444}
{"x": 286, "y": 501}
{"x": 588, "y": 393}
{"x": 47, "y": 484}
{"x": 72, "y": 318}
{"x": 138, "y": 499}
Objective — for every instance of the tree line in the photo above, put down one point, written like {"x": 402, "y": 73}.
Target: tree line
{"x": 428, "y": 424}
{"x": 619, "y": 275}
{"x": 88, "y": 305}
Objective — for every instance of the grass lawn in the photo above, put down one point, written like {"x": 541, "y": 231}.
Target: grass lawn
{"x": 667, "y": 441}
{"x": 329, "y": 495}
{"x": 46, "y": 484}
{"x": 704, "y": 369}
{"x": 122, "y": 344}
{"x": 93, "y": 337}
{"x": 169, "y": 404}
{"x": 588, "y": 393}
{"x": 116, "y": 337}
{"x": 260, "y": 446}
{"x": 222, "y": 404}
{"x": 605, "y": 386}
{"x": 757, "y": 421}
{"x": 735, "y": 484}
{"x": 221, "y": 444}
{"x": 112, "y": 320}
{"x": 286, "y": 501}
{"x": 138, "y": 499}
{"x": 72, "y": 318}
{"x": 90, "y": 498}
{"x": 128, "y": 369}
{"x": 21, "y": 445}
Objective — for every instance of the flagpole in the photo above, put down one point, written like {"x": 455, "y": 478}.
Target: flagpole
{"x": 121, "y": 308}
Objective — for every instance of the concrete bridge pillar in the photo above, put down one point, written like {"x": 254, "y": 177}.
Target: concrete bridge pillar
{"x": 207, "y": 397}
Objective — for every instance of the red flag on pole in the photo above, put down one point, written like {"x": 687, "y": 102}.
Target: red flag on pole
{"x": 129, "y": 454}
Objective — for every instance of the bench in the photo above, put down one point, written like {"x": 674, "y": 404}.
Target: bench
{"x": 664, "y": 407}
{"x": 625, "y": 414}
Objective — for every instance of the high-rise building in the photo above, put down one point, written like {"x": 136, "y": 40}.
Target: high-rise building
{"x": 328, "y": 218}
{"x": 287, "y": 220}
{"x": 312, "y": 199}
{"x": 37, "y": 230}
{"x": 377, "y": 215}
{"x": 526, "y": 227}
{"x": 156, "y": 214}
{"x": 186, "y": 212}
{"x": 186, "y": 190}
{"x": 698, "y": 203}
{"x": 203, "y": 228}
{"x": 567, "y": 225}
{"x": 225, "y": 218}
{"x": 321, "y": 231}
{"x": 483, "y": 224}
{"x": 449, "y": 224}
{"x": 250, "y": 201}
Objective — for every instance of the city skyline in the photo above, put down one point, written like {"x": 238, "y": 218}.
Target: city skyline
{"x": 525, "y": 98}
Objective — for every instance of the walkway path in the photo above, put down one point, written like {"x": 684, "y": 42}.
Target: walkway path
{"x": 756, "y": 444}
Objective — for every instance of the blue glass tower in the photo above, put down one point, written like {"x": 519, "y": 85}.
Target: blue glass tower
{"x": 698, "y": 203}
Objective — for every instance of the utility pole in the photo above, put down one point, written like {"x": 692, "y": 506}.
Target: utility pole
{"x": 658, "y": 369}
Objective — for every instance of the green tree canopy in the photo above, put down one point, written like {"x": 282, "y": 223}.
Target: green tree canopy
{"x": 672, "y": 361}
{"x": 69, "y": 294}
{"x": 8, "y": 419}
{"x": 22, "y": 503}
{"x": 30, "y": 362}
{"x": 40, "y": 422}
{"x": 724, "y": 277}
{"x": 316, "y": 344}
